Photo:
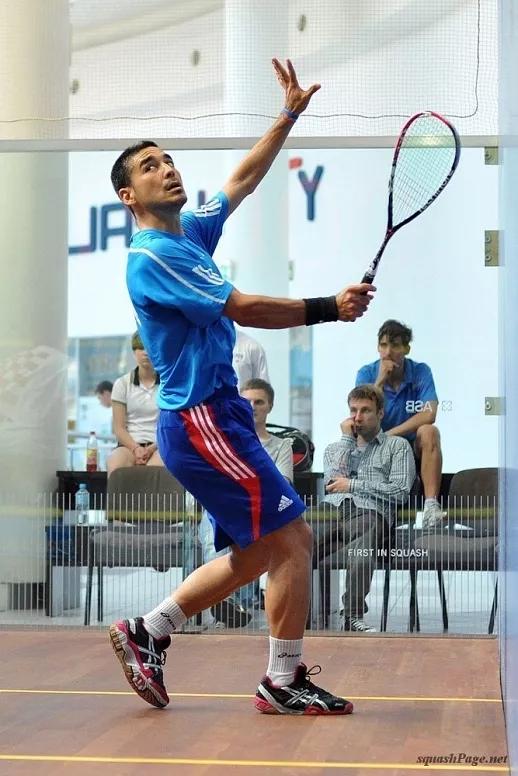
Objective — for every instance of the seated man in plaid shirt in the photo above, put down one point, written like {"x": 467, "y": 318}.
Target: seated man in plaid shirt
{"x": 367, "y": 475}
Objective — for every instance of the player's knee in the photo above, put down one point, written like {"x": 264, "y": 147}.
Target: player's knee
{"x": 294, "y": 538}
{"x": 252, "y": 562}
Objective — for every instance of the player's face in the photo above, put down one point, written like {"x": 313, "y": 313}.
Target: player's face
{"x": 393, "y": 350}
{"x": 156, "y": 184}
{"x": 260, "y": 404}
{"x": 366, "y": 417}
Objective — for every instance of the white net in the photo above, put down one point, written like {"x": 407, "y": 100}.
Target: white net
{"x": 163, "y": 68}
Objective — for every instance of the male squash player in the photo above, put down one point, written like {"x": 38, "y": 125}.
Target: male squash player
{"x": 185, "y": 314}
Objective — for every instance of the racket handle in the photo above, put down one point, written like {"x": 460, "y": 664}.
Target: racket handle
{"x": 368, "y": 278}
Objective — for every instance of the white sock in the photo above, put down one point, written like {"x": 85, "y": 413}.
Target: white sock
{"x": 430, "y": 501}
{"x": 165, "y": 619}
{"x": 284, "y": 658}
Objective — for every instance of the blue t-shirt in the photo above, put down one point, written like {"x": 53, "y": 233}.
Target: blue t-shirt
{"x": 410, "y": 398}
{"x": 178, "y": 295}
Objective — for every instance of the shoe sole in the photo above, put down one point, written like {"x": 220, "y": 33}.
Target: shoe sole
{"x": 124, "y": 653}
{"x": 266, "y": 708}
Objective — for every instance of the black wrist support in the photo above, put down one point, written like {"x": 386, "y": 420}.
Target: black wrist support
{"x": 321, "y": 309}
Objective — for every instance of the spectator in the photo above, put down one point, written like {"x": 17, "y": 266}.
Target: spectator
{"x": 366, "y": 475}
{"x": 261, "y": 396}
{"x": 249, "y": 359}
{"x": 104, "y": 393}
{"x": 135, "y": 414}
{"x": 234, "y": 611}
{"x": 410, "y": 408}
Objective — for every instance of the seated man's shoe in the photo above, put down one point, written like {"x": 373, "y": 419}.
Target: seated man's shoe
{"x": 433, "y": 514}
{"x": 357, "y": 624}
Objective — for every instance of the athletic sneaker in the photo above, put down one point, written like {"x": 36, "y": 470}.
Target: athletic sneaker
{"x": 357, "y": 624}
{"x": 142, "y": 657}
{"x": 299, "y": 697}
{"x": 433, "y": 514}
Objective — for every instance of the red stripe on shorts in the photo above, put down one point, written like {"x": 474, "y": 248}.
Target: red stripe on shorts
{"x": 213, "y": 446}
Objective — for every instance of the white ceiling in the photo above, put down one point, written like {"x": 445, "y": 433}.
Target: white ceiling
{"x": 96, "y": 22}
{"x": 93, "y": 13}
{"x": 87, "y": 13}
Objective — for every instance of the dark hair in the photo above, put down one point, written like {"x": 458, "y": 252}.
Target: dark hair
{"x": 136, "y": 342}
{"x": 256, "y": 384}
{"x": 368, "y": 391}
{"x": 394, "y": 330}
{"x": 103, "y": 386}
{"x": 135, "y": 377}
{"x": 120, "y": 175}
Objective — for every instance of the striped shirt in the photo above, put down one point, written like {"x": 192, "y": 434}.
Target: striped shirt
{"x": 381, "y": 474}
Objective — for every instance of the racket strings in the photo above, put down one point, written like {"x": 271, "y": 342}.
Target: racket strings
{"x": 415, "y": 184}
{"x": 423, "y": 165}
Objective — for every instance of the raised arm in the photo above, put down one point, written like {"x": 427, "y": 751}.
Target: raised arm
{"x": 256, "y": 164}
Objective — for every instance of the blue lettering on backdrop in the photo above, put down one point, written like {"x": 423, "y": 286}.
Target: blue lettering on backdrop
{"x": 92, "y": 245}
{"x": 107, "y": 231}
{"x": 310, "y": 187}
{"x": 103, "y": 226}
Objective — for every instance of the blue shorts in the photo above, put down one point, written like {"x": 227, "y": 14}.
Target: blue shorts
{"x": 214, "y": 452}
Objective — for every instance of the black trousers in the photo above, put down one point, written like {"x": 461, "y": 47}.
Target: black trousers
{"x": 356, "y": 536}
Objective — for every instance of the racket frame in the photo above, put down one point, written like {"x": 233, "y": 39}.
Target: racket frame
{"x": 391, "y": 230}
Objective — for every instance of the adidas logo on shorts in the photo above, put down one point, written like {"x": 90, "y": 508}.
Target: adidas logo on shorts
{"x": 284, "y": 503}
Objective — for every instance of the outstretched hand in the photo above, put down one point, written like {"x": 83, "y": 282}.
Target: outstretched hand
{"x": 296, "y": 98}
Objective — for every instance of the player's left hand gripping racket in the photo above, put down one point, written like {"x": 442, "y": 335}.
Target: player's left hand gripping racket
{"x": 426, "y": 156}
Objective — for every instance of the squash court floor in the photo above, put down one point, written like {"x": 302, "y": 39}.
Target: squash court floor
{"x": 66, "y": 708}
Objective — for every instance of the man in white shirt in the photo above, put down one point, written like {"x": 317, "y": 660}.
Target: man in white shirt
{"x": 249, "y": 359}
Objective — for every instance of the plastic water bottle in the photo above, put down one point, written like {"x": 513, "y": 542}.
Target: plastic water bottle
{"x": 82, "y": 504}
{"x": 92, "y": 453}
